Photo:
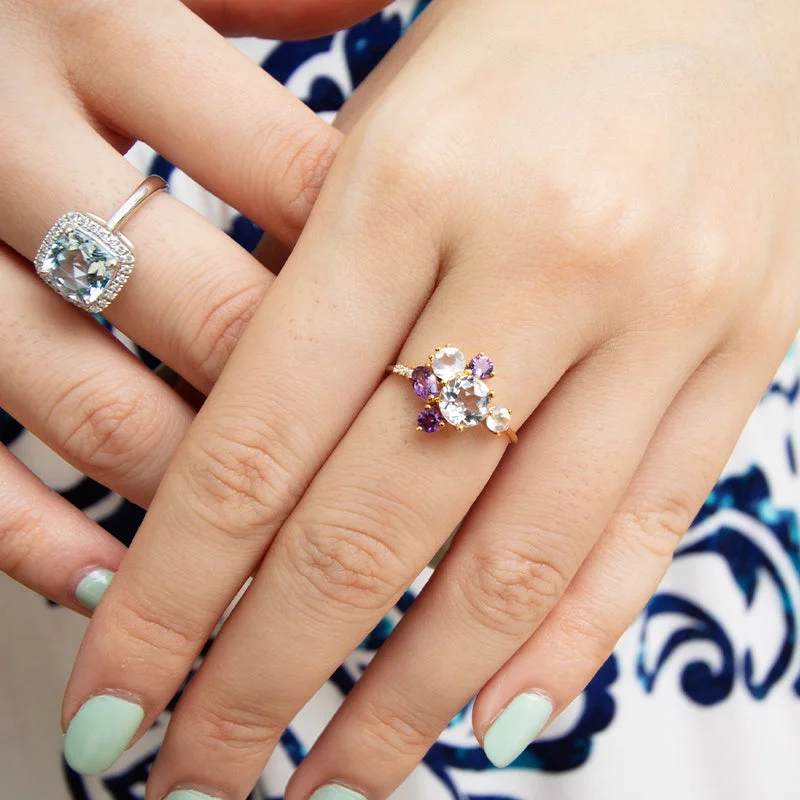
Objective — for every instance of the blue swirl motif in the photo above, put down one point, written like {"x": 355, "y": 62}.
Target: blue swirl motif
{"x": 758, "y": 543}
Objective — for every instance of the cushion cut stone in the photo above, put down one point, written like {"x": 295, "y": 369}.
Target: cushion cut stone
{"x": 447, "y": 362}
{"x": 464, "y": 401}
{"x": 80, "y": 266}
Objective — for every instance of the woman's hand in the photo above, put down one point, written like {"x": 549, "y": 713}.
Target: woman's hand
{"x": 602, "y": 198}
{"x": 81, "y": 80}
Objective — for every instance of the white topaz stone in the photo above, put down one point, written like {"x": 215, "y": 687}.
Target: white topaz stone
{"x": 80, "y": 265}
{"x": 447, "y": 362}
{"x": 464, "y": 401}
{"x": 499, "y": 420}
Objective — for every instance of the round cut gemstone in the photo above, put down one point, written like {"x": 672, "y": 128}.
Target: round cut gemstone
{"x": 447, "y": 362}
{"x": 424, "y": 383}
{"x": 499, "y": 420}
{"x": 430, "y": 420}
{"x": 464, "y": 401}
{"x": 80, "y": 265}
{"x": 481, "y": 366}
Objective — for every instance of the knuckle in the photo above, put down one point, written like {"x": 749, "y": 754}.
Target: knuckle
{"x": 509, "y": 586}
{"x": 106, "y": 425}
{"x": 241, "y": 480}
{"x": 598, "y": 224}
{"x": 399, "y": 174}
{"x": 22, "y": 526}
{"x": 241, "y": 731}
{"x": 593, "y": 633}
{"x": 349, "y": 559}
{"x": 657, "y": 527}
{"x": 221, "y": 328}
{"x": 406, "y": 734}
{"x": 297, "y": 160}
{"x": 156, "y": 637}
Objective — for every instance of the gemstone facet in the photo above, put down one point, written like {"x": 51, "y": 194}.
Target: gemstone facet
{"x": 499, "y": 420}
{"x": 464, "y": 401}
{"x": 430, "y": 420}
{"x": 84, "y": 261}
{"x": 447, "y": 362}
{"x": 424, "y": 383}
{"x": 80, "y": 266}
{"x": 481, "y": 366}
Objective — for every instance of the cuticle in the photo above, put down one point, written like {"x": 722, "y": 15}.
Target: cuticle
{"x": 194, "y": 787}
{"x": 538, "y": 692}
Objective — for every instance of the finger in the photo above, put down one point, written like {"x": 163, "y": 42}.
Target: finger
{"x": 73, "y": 385}
{"x": 687, "y": 455}
{"x": 218, "y": 116}
{"x": 511, "y": 560}
{"x": 258, "y": 441}
{"x": 193, "y": 289}
{"x": 368, "y": 524}
{"x": 48, "y": 545}
{"x": 278, "y": 20}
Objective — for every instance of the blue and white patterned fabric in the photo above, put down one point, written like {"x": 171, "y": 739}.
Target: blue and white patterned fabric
{"x": 700, "y": 699}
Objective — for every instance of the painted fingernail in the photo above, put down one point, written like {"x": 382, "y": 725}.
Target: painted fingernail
{"x": 189, "y": 794}
{"x": 92, "y": 587}
{"x": 334, "y": 791}
{"x": 520, "y": 722}
{"x": 100, "y": 732}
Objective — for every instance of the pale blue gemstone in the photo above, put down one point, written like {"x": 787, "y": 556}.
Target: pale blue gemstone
{"x": 80, "y": 266}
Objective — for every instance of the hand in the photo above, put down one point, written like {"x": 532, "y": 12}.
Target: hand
{"x": 80, "y": 81}
{"x": 602, "y": 199}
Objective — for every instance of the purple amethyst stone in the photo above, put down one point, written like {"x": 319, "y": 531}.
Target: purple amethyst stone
{"x": 481, "y": 367}
{"x": 424, "y": 383}
{"x": 430, "y": 420}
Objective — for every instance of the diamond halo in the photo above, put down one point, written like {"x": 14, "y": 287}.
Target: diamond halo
{"x": 82, "y": 260}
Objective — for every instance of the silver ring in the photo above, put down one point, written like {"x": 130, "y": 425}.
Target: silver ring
{"x": 83, "y": 257}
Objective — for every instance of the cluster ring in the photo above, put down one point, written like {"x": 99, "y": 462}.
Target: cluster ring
{"x": 455, "y": 393}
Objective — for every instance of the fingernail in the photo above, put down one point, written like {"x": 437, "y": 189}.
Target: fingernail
{"x": 189, "y": 794}
{"x": 334, "y": 791}
{"x": 92, "y": 587}
{"x": 100, "y": 732}
{"x": 520, "y": 722}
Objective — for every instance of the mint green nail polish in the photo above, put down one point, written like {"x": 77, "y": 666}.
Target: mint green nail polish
{"x": 100, "y": 732}
{"x": 335, "y": 792}
{"x": 92, "y": 587}
{"x": 517, "y": 726}
{"x": 189, "y": 794}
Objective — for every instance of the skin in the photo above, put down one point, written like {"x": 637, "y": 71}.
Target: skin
{"x": 613, "y": 190}
{"x": 70, "y": 111}
{"x": 629, "y": 174}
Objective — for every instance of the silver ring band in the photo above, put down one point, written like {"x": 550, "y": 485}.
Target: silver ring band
{"x": 85, "y": 259}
